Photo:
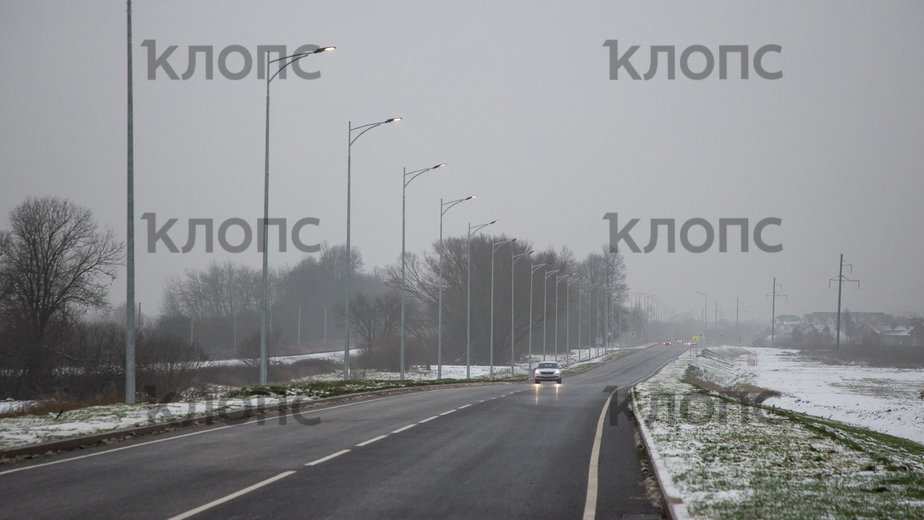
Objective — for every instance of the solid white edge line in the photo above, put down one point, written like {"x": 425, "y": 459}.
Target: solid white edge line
{"x": 590, "y": 504}
{"x": 327, "y": 458}
{"x": 403, "y": 428}
{"x": 428, "y": 419}
{"x": 232, "y": 496}
{"x": 114, "y": 450}
{"x": 200, "y": 432}
{"x": 370, "y": 441}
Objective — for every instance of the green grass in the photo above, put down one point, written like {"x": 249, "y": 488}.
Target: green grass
{"x": 780, "y": 464}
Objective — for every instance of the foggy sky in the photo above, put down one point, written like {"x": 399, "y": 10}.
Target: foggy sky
{"x": 516, "y": 98}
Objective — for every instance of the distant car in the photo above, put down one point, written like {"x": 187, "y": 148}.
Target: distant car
{"x": 668, "y": 343}
{"x": 548, "y": 371}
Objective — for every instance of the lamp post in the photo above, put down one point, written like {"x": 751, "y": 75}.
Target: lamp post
{"x": 591, "y": 340}
{"x": 494, "y": 246}
{"x": 444, "y": 207}
{"x": 705, "y": 306}
{"x": 513, "y": 263}
{"x": 545, "y": 305}
{"x": 580, "y": 319}
{"x": 468, "y": 298}
{"x": 130, "y": 223}
{"x": 406, "y": 179}
{"x": 348, "y": 261}
{"x": 532, "y": 271}
{"x": 557, "y": 280}
{"x": 568, "y": 318}
{"x": 284, "y": 61}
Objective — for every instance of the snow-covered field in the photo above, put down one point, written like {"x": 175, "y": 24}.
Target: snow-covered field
{"x": 886, "y": 400}
{"x": 726, "y": 459}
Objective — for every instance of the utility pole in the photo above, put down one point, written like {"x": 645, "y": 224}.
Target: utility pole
{"x": 840, "y": 283}
{"x": 774, "y": 294}
{"x": 737, "y": 330}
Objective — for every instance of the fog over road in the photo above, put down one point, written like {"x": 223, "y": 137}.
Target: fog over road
{"x": 495, "y": 451}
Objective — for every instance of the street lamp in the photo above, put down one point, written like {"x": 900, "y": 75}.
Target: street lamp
{"x": 581, "y": 319}
{"x": 284, "y": 61}
{"x": 444, "y": 207}
{"x": 532, "y": 271}
{"x": 545, "y": 305}
{"x": 405, "y": 180}
{"x": 494, "y": 246}
{"x": 705, "y": 306}
{"x": 348, "y": 261}
{"x": 568, "y": 319}
{"x": 557, "y": 280}
{"x": 513, "y": 263}
{"x": 468, "y": 297}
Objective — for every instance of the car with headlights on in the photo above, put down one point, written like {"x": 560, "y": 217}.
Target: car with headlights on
{"x": 547, "y": 371}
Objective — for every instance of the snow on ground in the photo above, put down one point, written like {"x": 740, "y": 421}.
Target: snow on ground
{"x": 574, "y": 358}
{"x": 886, "y": 400}
{"x": 732, "y": 460}
{"x": 31, "y": 429}
{"x": 13, "y": 406}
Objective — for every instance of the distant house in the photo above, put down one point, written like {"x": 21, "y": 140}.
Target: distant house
{"x": 785, "y": 323}
{"x": 889, "y": 336}
{"x": 851, "y": 322}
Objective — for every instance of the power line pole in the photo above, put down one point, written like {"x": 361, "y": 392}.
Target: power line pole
{"x": 737, "y": 330}
{"x": 773, "y": 312}
{"x": 840, "y": 283}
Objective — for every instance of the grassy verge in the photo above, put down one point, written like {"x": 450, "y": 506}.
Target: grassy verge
{"x": 736, "y": 459}
{"x": 320, "y": 389}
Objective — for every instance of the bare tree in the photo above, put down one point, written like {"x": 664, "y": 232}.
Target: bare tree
{"x": 376, "y": 317}
{"x": 223, "y": 290}
{"x": 54, "y": 264}
{"x": 4, "y": 243}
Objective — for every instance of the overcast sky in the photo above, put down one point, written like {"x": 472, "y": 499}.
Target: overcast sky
{"x": 516, "y": 98}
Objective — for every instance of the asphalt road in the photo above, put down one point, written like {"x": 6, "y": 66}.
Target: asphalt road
{"x": 498, "y": 451}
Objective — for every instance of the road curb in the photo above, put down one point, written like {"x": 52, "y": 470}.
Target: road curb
{"x": 674, "y": 506}
{"x": 87, "y": 441}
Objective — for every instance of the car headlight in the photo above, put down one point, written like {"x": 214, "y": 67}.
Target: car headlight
{"x": 536, "y": 372}
{"x": 557, "y": 371}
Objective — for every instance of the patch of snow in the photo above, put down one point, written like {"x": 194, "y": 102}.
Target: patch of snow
{"x": 887, "y": 400}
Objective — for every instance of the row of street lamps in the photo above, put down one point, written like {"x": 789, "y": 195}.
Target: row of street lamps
{"x": 353, "y": 134}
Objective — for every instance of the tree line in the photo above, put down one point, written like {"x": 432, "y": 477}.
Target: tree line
{"x": 56, "y": 267}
